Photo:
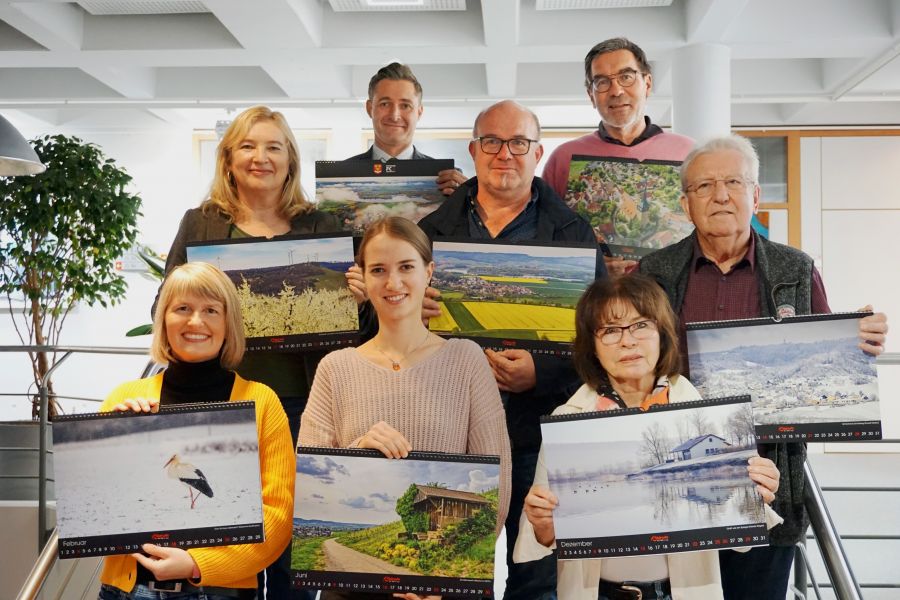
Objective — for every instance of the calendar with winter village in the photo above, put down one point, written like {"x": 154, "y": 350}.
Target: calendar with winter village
{"x": 808, "y": 378}
{"x": 187, "y": 476}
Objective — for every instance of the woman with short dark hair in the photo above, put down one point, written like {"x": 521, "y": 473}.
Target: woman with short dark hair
{"x": 626, "y": 352}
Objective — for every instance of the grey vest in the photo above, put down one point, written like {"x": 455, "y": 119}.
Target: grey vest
{"x": 785, "y": 276}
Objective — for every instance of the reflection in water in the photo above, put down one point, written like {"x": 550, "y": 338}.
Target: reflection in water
{"x": 724, "y": 497}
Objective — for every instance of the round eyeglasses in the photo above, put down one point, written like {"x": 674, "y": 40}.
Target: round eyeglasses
{"x": 493, "y": 145}
{"x": 639, "y": 330}
{"x": 625, "y": 78}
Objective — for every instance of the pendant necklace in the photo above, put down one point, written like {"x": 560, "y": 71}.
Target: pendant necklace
{"x": 395, "y": 364}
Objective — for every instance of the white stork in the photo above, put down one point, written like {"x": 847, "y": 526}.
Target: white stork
{"x": 189, "y": 475}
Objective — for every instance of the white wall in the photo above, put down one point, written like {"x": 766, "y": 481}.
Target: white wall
{"x": 851, "y": 216}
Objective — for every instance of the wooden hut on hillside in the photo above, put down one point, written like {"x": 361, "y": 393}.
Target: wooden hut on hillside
{"x": 445, "y": 507}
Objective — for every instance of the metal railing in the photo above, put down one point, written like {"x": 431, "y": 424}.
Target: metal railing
{"x": 34, "y": 583}
{"x": 842, "y": 579}
{"x": 43, "y": 390}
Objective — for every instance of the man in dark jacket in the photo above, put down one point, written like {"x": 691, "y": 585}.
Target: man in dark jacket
{"x": 506, "y": 201}
{"x": 723, "y": 271}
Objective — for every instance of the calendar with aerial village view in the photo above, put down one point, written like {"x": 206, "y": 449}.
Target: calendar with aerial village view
{"x": 808, "y": 378}
{"x": 634, "y": 207}
{"x": 511, "y": 295}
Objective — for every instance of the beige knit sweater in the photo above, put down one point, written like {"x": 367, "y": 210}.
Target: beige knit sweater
{"x": 447, "y": 403}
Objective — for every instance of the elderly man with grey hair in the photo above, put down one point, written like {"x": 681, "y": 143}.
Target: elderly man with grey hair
{"x": 725, "y": 270}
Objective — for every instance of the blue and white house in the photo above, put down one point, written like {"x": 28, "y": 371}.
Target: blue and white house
{"x": 702, "y": 445}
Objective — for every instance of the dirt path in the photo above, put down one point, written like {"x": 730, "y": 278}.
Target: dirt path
{"x": 342, "y": 558}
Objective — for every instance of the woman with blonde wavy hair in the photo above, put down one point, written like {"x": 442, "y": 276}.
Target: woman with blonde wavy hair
{"x": 256, "y": 192}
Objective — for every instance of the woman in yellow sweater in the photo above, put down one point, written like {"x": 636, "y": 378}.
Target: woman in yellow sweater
{"x": 198, "y": 331}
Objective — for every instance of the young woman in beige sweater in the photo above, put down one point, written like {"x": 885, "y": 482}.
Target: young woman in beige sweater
{"x": 406, "y": 389}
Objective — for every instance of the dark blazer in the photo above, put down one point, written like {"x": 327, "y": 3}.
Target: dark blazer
{"x": 367, "y": 155}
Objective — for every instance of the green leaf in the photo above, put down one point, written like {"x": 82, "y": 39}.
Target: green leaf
{"x": 140, "y": 330}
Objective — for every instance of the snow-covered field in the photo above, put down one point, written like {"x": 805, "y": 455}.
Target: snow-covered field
{"x": 851, "y": 413}
{"x": 119, "y": 485}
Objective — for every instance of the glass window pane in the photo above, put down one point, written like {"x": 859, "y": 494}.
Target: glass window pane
{"x": 772, "y": 167}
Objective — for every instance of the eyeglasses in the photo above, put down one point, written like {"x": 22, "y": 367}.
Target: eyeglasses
{"x": 707, "y": 187}
{"x": 493, "y": 145}
{"x": 612, "y": 334}
{"x": 625, "y": 78}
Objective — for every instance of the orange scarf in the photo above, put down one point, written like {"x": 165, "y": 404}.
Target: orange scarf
{"x": 659, "y": 395}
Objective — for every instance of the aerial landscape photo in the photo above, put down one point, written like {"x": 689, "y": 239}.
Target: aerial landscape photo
{"x": 288, "y": 286}
{"x": 359, "y": 201}
{"x": 798, "y": 372}
{"x": 510, "y": 291}
{"x": 628, "y": 203}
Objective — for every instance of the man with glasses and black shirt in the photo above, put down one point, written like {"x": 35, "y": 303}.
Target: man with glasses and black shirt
{"x": 505, "y": 201}
{"x": 618, "y": 80}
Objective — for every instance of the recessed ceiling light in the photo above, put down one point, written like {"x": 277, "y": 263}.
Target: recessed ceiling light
{"x": 395, "y": 2}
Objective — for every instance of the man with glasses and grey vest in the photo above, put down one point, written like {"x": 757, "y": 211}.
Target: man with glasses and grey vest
{"x": 725, "y": 270}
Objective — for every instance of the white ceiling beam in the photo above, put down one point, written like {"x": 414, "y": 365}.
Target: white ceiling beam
{"x": 172, "y": 116}
{"x": 131, "y": 82}
{"x": 865, "y": 70}
{"x": 270, "y": 24}
{"x": 310, "y": 15}
{"x": 501, "y": 21}
{"x": 791, "y": 111}
{"x": 501, "y": 78}
{"x": 709, "y": 21}
{"x": 54, "y": 26}
{"x": 302, "y": 79}
{"x": 26, "y": 118}
{"x": 376, "y": 55}
{"x": 60, "y": 27}
{"x": 275, "y": 25}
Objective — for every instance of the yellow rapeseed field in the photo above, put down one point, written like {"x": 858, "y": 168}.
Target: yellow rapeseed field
{"x": 445, "y": 322}
{"x": 513, "y": 279}
{"x": 501, "y": 315}
{"x": 557, "y": 336}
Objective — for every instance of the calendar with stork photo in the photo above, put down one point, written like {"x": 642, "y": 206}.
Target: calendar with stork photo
{"x": 187, "y": 476}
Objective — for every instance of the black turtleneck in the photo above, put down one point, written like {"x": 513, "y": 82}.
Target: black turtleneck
{"x": 185, "y": 383}
{"x": 196, "y": 382}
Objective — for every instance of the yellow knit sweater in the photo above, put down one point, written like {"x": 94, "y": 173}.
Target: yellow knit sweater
{"x": 231, "y": 566}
